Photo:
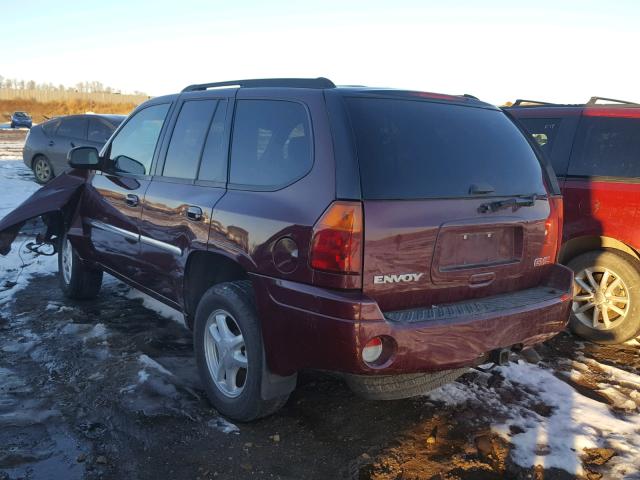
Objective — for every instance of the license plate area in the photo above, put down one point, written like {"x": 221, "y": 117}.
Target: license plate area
{"x": 464, "y": 253}
{"x": 473, "y": 249}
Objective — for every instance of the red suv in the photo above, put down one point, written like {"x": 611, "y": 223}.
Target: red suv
{"x": 395, "y": 237}
{"x": 595, "y": 151}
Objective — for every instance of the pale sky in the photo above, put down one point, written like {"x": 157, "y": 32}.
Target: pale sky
{"x": 563, "y": 51}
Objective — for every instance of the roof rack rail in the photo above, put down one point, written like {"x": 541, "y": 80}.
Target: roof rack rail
{"x": 594, "y": 101}
{"x": 319, "y": 82}
{"x": 520, "y": 101}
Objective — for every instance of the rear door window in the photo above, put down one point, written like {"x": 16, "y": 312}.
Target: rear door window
{"x": 271, "y": 143}
{"x": 607, "y": 147}
{"x": 187, "y": 140}
{"x": 74, "y": 127}
{"x": 417, "y": 149}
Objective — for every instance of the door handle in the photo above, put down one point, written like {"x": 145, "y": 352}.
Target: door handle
{"x": 194, "y": 213}
{"x": 132, "y": 200}
{"x": 51, "y": 143}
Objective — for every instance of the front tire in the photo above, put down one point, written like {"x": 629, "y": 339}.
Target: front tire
{"x": 42, "y": 169}
{"x": 230, "y": 353}
{"x": 606, "y": 306}
{"x": 76, "y": 279}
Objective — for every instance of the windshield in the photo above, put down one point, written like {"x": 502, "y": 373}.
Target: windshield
{"x": 411, "y": 149}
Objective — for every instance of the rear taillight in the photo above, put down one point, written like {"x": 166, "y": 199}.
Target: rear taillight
{"x": 553, "y": 230}
{"x": 336, "y": 245}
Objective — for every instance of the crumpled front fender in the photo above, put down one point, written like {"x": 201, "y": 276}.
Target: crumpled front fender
{"x": 61, "y": 195}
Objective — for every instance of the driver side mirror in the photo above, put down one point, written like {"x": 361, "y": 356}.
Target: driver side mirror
{"x": 84, "y": 158}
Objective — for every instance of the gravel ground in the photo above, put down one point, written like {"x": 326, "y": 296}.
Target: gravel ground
{"x": 107, "y": 389}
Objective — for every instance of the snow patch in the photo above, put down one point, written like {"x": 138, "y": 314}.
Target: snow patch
{"x": 156, "y": 306}
{"x": 452, "y": 394}
{"x": 614, "y": 374}
{"x": 86, "y": 331}
{"x": 223, "y": 425}
{"x": 20, "y": 265}
{"x": 58, "y": 308}
{"x": 576, "y": 423}
{"x": 150, "y": 362}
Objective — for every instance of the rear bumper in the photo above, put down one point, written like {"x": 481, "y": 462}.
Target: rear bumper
{"x": 309, "y": 327}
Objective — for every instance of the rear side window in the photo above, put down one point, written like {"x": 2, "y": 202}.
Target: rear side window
{"x": 187, "y": 140}
{"x": 608, "y": 147}
{"x": 74, "y": 127}
{"x": 50, "y": 127}
{"x": 271, "y": 143}
{"x": 133, "y": 146}
{"x": 415, "y": 149}
{"x": 99, "y": 130}
{"x": 543, "y": 131}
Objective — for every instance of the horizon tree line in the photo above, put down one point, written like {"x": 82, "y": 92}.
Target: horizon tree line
{"x": 93, "y": 86}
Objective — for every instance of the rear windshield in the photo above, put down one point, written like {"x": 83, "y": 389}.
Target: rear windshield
{"x": 416, "y": 149}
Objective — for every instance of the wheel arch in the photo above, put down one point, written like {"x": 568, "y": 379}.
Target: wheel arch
{"x": 580, "y": 245}
{"x": 34, "y": 156}
{"x": 203, "y": 270}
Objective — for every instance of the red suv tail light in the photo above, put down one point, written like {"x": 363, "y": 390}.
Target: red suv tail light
{"x": 553, "y": 229}
{"x": 336, "y": 245}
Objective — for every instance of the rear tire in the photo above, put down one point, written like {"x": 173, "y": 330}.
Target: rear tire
{"x": 395, "y": 387}
{"x": 42, "y": 169}
{"x": 230, "y": 353}
{"x": 617, "y": 318}
{"x": 77, "y": 280}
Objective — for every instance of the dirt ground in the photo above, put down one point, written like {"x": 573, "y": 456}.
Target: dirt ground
{"x": 107, "y": 389}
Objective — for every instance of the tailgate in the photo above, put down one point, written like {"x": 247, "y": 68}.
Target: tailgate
{"x": 455, "y": 201}
{"x": 428, "y": 252}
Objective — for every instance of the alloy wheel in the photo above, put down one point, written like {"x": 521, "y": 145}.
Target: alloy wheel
{"x": 67, "y": 261}
{"x": 225, "y": 353}
{"x": 42, "y": 170}
{"x": 601, "y": 298}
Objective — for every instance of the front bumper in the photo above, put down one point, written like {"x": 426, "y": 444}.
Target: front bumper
{"x": 310, "y": 327}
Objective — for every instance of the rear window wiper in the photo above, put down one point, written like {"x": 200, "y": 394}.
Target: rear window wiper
{"x": 515, "y": 203}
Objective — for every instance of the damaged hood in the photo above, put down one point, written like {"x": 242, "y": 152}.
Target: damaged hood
{"x": 53, "y": 197}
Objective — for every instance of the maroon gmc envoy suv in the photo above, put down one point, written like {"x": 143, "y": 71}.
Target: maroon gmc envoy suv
{"x": 395, "y": 237}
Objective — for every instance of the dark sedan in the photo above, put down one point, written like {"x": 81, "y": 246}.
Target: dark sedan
{"x": 46, "y": 147}
{"x": 21, "y": 119}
